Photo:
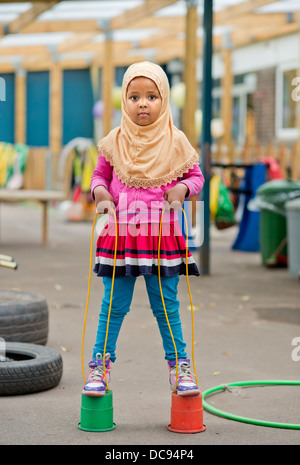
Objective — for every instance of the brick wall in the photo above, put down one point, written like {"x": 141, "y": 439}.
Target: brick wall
{"x": 264, "y": 105}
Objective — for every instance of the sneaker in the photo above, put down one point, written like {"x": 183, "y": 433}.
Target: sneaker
{"x": 96, "y": 384}
{"x": 186, "y": 384}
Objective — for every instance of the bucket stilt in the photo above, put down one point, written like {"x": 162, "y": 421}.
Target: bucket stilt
{"x": 97, "y": 413}
{"x": 186, "y": 414}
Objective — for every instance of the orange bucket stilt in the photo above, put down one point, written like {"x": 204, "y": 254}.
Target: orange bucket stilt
{"x": 186, "y": 414}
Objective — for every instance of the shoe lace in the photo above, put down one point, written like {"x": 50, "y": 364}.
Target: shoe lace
{"x": 97, "y": 373}
{"x": 184, "y": 371}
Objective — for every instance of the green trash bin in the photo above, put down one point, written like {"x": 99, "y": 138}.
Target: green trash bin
{"x": 271, "y": 199}
{"x": 293, "y": 229}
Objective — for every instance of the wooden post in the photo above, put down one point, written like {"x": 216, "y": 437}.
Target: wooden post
{"x": 55, "y": 115}
{"x": 107, "y": 82}
{"x": 20, "y": 106}
{"x": 282, "y": 159}
{"x": 226, "y": 105}
{"x": 44, "y": 222}
{"x": 295, "y": 162}
{"x": 191, "y": 93}
{"x": 94, "y": 72}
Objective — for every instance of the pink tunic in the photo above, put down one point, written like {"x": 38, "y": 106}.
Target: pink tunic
{"x": 138, "y": 213}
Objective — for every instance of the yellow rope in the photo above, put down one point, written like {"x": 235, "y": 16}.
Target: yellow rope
{"x": 88, "y": 296}
{"x": 162, "y": 297}
{"x": 111, "y": 295}
{"x": 191, "y": 301}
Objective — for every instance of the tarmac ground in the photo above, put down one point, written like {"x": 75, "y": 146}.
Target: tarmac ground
{"x": 246, "y": 317}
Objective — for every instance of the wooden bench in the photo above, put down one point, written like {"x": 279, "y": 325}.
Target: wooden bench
{"x": 34, "y": 187}
{"x": 41, "y": 196}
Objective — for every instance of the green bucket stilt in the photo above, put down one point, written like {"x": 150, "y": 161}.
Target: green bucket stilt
{"x": 97, "y": 413}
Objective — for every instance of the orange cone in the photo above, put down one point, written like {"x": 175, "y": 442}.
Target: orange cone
{"x": 186, "y": 414}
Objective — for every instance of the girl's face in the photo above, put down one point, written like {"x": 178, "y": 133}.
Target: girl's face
{"x": 143, "y": 101}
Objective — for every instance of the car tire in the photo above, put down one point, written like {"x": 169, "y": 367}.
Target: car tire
{"x": 24, "y": 317}
{"x": 28, "y": 368}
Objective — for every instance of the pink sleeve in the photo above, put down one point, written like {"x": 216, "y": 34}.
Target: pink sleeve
{"x": 194, "y": 180}
{"x": 102, "y": 174}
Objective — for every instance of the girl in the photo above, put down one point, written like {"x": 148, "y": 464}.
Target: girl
{"x": 145, "y": 165}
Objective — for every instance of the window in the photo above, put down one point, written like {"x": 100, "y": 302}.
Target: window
{"x": 289, "y": 105}
{"x": 7, "y": 108}
{"x": 286, "y": 120}
{"x": 243, "y": 87}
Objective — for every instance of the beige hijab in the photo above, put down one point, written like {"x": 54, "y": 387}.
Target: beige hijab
{"x": 153, "y": 155}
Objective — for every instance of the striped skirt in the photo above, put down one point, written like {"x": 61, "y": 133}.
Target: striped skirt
{"x": 137, "y": 251}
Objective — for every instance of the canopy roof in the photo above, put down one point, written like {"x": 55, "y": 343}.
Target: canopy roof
{"x": 32, "y": 34}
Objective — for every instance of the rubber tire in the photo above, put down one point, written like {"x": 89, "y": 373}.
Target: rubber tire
{"x": 24, "y": 317}
{"x": 34, "y": 368}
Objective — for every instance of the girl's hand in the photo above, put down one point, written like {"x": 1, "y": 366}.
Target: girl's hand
{"x": 175, "y": 196}
{"x": 103, "y": 200}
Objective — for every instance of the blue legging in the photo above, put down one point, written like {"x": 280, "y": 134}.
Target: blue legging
{"x": 121, "y": 301}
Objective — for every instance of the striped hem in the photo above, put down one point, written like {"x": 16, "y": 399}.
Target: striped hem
{"x": 144, "y": 270}
{"x": 139, "y": 255}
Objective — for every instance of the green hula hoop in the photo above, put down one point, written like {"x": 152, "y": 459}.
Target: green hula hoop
{"x": 253, "y": 421}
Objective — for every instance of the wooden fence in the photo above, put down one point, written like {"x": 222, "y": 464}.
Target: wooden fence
{"x": 288, "y": 157}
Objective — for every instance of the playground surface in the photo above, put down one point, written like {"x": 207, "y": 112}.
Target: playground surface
{"x": 246, "y": 319}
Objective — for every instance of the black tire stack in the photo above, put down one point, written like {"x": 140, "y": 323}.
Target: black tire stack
{"x": 26, "y": 364}
{"x": 23, "y": 317}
